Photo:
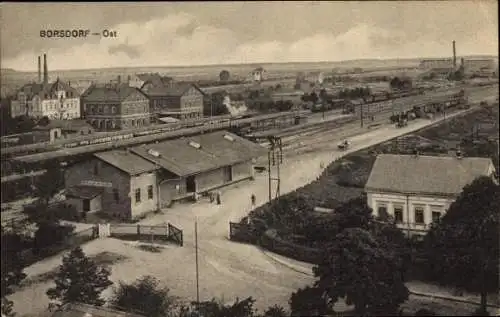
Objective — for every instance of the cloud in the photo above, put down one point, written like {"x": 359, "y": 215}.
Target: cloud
{"x": 180, "y": 39}
{"x": 132, "y": 52}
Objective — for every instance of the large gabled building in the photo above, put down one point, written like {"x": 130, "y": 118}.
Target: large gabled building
{"x": 180, "y": 101}
{"x": 126, "y": 184}
{"x": 111, "y": 107}
{"x": 417, "y": 190}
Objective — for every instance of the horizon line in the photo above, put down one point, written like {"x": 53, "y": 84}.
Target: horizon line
{"x": 257, "y": 63}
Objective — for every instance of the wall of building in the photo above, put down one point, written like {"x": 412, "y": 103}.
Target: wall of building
{"x": 172, "y": 189}
{"x": 210, "y": 179}
{"x": 192, "y": 103}
{"x": 145, "y": 205}
{"x": 116, "y": 184}
{"x": 242, "y": 170}
{"x": 408, "y": 204}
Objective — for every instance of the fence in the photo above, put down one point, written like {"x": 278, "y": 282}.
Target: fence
{"x": 271, "y": 241}
{"x": 144, "y": 232}
{"x": 241, "y": 232}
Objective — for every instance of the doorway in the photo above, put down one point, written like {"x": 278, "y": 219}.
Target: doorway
{"x": 228, "y": 174}
{"x": 86, "y": 205}
{"x": 191, "y": 184}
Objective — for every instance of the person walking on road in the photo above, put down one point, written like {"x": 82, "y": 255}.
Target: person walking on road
{"x": 217, "y": 198}
{"x": 253, "y": 199}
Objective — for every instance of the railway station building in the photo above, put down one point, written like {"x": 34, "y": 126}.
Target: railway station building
{"x": 115, "y": 106}
{"x": 126, "y": 184}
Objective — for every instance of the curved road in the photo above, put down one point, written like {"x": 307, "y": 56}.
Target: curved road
{"x": 226, "y": 269}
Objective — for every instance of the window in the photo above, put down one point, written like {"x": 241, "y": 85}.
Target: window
{"x": 150, "y": 192}
{"x": 137, "y": 195}
{"x": 382, "y": 211}
{"x": 116, "y": 195}
{"x": 419, "y": 215}
{"x": 398, "y": 214}
{"x": 436, "y": 215}
{"x": 113, "y": 109}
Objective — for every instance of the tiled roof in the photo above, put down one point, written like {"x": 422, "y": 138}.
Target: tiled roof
{"x": 48, "y": 89}
{"x": 177, "y": 90}
{"x": 215, "y": 151}
{"x": 109, "y": 92}
{"x": 126, "y": 161}
{"x": 84, "y": 310}
{"x": 413, "y": 174}
{"x": 85, "y": 192}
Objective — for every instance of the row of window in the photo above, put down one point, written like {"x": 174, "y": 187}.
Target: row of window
{"x": 138, "y": 194}
{"x": 419, "y": 214}
{"x": 55, "y": 106}
{"x": 115, "y": 124}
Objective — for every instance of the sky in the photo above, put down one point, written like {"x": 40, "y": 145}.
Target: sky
{"x": 201, "y": 33}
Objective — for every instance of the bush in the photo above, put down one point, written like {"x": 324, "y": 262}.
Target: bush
{"x": 425, "y": 312}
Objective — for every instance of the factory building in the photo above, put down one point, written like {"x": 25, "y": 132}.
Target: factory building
{"x": 126, "y": 184}
{"x": 57, "y": 100}
{"x": 115, "y": 106}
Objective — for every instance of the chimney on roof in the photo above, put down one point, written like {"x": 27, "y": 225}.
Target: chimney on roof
{"x": 39, "y": 69}
{"x": 45, "y": 71}
{"x": 454, "y": 56}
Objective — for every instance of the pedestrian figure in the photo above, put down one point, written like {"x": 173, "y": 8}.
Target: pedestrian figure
{"x": 218, "y": 198}
{"x": 252, "y": 198}
{"x": 212, "y": 197}
{"x": 373, "y": 118}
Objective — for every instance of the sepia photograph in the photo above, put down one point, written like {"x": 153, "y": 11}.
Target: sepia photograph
{"x": 250, "y": 158}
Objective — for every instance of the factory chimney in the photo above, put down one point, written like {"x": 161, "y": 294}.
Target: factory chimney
{"x": 39, "y": 69}
{"x": 454, "y": 56}
{"x": 45, "y": 71}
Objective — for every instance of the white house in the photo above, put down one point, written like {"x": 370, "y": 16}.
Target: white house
{"x": 417, "y": 190}
{"x": 56, "y": 101}
{"x": 257, "y": 74}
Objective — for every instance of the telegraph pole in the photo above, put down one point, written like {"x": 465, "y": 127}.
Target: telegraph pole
{"x": 275, "y": 155}
{"x": 197, "y": 273}
{"x": 361, "y": 112}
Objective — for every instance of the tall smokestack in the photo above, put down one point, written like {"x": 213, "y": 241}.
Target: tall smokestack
{"x": 45, "y": 71}
{"x": 39, "y": 69}
{"x": 454, "y": 56}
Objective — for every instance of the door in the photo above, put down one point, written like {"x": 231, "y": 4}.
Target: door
{"x": 86, "y": 205}
{"x": 190, "y": 184}
{"x": 228, "y": 174}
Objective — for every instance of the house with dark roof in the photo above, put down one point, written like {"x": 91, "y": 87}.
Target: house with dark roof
{"x": 147, "y": 81}
{"x": 112, "y": 107}
{"x": 129, "y": 183}
{"x": 179, "y": 100}
{"x": 57, "y": 100}
{"x": 416, "y": 190}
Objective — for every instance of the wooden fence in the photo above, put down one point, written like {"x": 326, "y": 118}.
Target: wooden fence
{"x": 144, "y": 232}
{"x": 242, "y": 232}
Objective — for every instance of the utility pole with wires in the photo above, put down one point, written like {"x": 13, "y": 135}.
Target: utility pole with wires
{"x": 197, "y": 271}
{"x": 275, "y": 158}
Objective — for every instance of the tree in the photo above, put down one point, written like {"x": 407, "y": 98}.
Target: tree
{"x": 463, "y": 247}
{"x": 215, "y": 308}
{"x": 354, "y": 213}
{"x": 12, "y": 268}
{"x": 358, "y": 268}
{"x": 224, "y": 76}
{"x": 80, "y": 280}
{"x": 275, "y": 311}
{"x": 145, "y": 296}
{"x": 308, "y": 301}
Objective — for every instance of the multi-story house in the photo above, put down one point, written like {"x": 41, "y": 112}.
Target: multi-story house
{"x": 55, "y": 101}
{"x": 417, "y": 190}
{"x": 180, "y": 101}
{"x": 115, "y": 106}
